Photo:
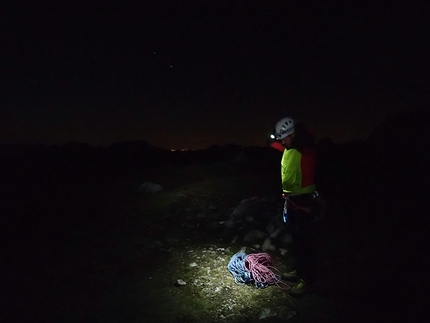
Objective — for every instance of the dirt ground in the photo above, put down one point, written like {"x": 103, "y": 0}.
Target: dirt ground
{"x": 134, "y": 257}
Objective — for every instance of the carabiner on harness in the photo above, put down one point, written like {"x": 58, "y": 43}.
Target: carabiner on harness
{"x": 285, "y": 213}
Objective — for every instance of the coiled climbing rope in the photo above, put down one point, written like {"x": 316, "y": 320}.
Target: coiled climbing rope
{"x": 256, "y": 269}
{"x": 237, "y": 268}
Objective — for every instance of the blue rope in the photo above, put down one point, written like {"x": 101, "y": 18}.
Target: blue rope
{"x": 236, "y": 266}
{"x": 241, "y": 275}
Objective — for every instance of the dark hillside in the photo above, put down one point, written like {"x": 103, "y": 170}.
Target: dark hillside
{"x": 377, "y": 215}
{"x": 81, "y": 239}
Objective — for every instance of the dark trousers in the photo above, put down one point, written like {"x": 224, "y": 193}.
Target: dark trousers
{"x": 300, "y": 224}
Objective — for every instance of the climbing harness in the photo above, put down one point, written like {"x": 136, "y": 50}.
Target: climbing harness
{"x": 289, "y": 203}
{"x": 255, "y": 269}
{"x": 293, "y": 206}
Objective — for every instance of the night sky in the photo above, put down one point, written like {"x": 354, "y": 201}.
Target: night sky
{"x": 190, "y": 74}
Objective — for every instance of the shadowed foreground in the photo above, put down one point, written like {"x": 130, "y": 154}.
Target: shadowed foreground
{"x": 82, "y": 244}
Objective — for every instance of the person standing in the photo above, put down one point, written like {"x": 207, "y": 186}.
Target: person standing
{"x": 298, "y": 167}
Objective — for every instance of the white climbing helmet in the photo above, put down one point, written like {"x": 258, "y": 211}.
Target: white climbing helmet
{"x": 284, "y": 128}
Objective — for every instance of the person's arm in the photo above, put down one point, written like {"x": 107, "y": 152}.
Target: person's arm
{"x": 275, "y": 144}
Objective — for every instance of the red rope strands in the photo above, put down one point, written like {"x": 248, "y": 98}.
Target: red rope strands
{"x": 261, "y": 267}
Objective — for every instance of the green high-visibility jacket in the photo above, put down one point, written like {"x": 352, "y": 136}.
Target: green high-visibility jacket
{"x": 298, "y": 171}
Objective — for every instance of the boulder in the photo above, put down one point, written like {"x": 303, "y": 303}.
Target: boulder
{"x": 148, "y": 187}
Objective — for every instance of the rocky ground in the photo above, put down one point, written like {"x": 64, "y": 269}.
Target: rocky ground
{"x": 163, "y": 257}
{"x": 211, "y": 219}
{"x": 82, "y": 240}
